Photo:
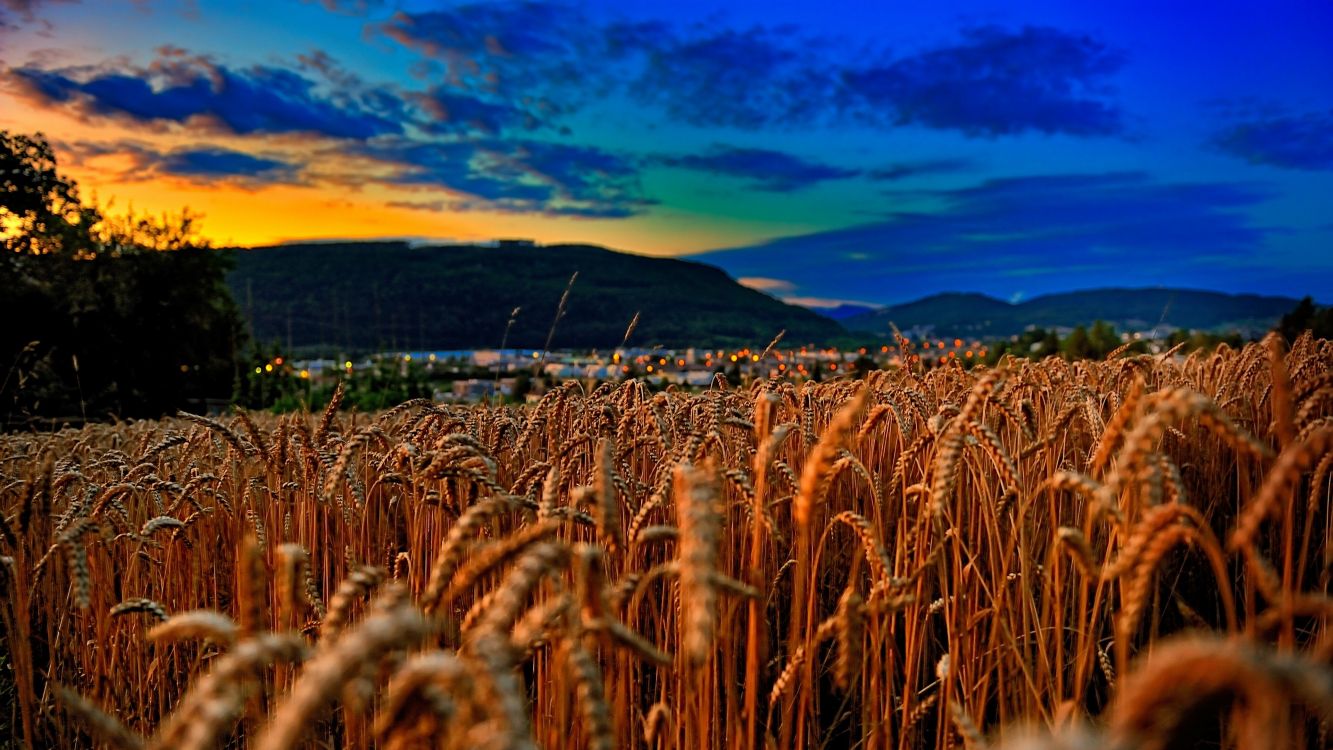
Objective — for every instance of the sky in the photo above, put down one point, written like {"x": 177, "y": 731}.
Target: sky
{"x": 844, "y": 151}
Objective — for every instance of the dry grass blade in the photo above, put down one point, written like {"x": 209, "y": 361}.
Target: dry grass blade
{"x": 103, "y": 726}
{"x": 700, "y": 527}
{"x": 325, "y": 675}
{"x": 200, "y": 623}
{"x": 147, "y": 606}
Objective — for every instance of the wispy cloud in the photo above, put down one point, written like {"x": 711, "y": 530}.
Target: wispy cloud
{"x": 451, "y": 113}
{"x": 514, "y": 50}
{"x": 768, "y": 170}
{"x": 517, "y": 176}
{"x": 17, "y": 13}
{"x": 556, "y": 55}
{"x": 766, "y": 284}
{"x": 213, "y": 163}
{"x": 428, "y": 206}
{"x": 1001, "y": 236}
{"x": 179, "y": 87}
{"x": 750, "y": 79}
{"x": 909, "y": 169}
{"x": 997, "y": 81}
{"x": 1287, "y": 141}
{"x": 352, "y": 7}
{"x": 203, "y": 164}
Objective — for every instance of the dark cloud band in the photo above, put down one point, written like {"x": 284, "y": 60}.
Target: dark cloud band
{"x": 764, "y": 169}
{"x": 1001, "y": 236}
{"x": 258, "y": 100}
{"x": 1302, "y": 141}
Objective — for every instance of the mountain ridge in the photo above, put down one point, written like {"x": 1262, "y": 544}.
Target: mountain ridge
{"x": 1127, "y": 308}
{"x": 401, "y": 295}
{"x": 364, "y": 296}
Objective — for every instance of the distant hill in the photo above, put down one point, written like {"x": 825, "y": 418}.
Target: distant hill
{"x": 363, "y": 296}
{"x": 976, "y": 315}
{"x": 841, "y": 312}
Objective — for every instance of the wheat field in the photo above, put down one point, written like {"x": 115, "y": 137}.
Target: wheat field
{"x": 1131, "y": 553}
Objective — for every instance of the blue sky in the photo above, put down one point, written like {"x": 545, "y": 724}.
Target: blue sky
{"x": 835, "y": 151}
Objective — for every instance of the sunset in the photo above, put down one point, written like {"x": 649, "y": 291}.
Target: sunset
{"x": 578, "y": 374}
{"x": 829, "y": 146}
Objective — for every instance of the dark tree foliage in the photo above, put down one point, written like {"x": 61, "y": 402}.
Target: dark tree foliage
{"x": 103, "y": 317}
{"x": 1307, "y": 316}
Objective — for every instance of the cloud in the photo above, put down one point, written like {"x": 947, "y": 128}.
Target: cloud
{"x": 1303, "y": 141}
{"x": 317, "y": 95}
{"x": 557, "y": 56}
{"x": 1037, "y": 234}
{"x": 906, "y": 170}
{"x": 178, "y": 88}
{"x": 202, "y": 164}
{"x": 13, "y": 13}
{"x": 521, "y": 176}
{"x": 222, "y": 163}
{"x": 991, "y": 81}
{"x": 765, "y": 284}
{"x": 745, "y": 79}
{"x": 440, "y": 139}
{"x": 783, "y": 289}
{"x": 826, "y": 303}
{"x": 429, "y": 206}
{"x": 530, "y": 50}
{"x": 450, "y": 112}
{"x": 530, "y": 64}
{"x": 352, "y": 7}
{"x": 997, "y": 82}
{"x": 773, "y": 171}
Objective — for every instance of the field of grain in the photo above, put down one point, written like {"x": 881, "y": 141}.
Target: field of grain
{"x": 1129, "y": 553}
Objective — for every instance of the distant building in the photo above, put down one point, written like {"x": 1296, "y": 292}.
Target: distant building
{"x": 515, "y": 242}
{"x": 475, "y": 389}
{"x": 697, "y": 378}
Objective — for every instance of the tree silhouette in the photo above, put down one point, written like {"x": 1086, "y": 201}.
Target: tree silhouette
{"x": 127, "y": 316}
{"x": 1307, "y": 316}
